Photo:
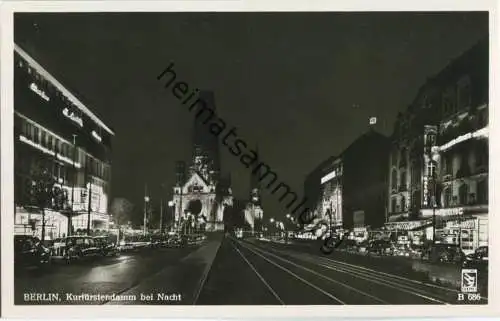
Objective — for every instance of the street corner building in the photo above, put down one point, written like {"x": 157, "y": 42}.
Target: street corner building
{"x": 56, "y": 133}
{"x": 349, "y": 189}
{"x": 438, "y": 168}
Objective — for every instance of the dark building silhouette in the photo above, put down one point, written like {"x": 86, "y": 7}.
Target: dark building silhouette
{"x": 364, "y": 181}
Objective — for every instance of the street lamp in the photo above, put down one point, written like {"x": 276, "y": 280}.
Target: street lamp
{"x": 171, "y": 205}
{"x": 271, "y": 220}
{"x": 146, "y": 200}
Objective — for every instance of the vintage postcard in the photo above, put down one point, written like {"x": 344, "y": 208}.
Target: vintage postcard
{"x": 203, "y": 159}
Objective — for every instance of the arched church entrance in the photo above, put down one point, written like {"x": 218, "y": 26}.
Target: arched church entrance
{"x": 194, "y": 207}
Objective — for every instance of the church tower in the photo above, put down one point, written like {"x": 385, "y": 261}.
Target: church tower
{"x": 199, "y": 198}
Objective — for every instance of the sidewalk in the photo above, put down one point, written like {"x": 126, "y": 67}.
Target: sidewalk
{"x": 177, "y": 284}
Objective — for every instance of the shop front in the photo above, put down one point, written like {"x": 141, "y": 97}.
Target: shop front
{"x": 463, "y": 226}
{"x": 29, "y": 222}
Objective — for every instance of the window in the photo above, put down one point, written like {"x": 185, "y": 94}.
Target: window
{"x": 464, "y": 93}
{"x": 50, "y": 142}
{"x": 393, "y": 205}
{"x": 44, "y": 139}
{"x": 448, "y": 102}
{"x": 447, "y": 197}
{"x": 64, "y": 149}
{"x": 415, "y": 173}
{"x": 415, "y": 200}
{"x": 36, "y": 135}
{"x": 403, "y": 204}
{"x": 28, "y": 130}
{"x": 482, "y": 156}
{"x": 448, "y": 160}
{"x": 482, "y": 192}
{"x": 394, "y": 179}
{"x": 57, "y": 145}
{"x": 402, "y": 184}
{"x": 463, "y": 192}
{"x": 431, "y": 169}
{"x": 483, "y": 118}
{"x": 402, "y": 158}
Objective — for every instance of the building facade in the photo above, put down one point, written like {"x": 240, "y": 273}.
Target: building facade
{"x": 438, "y": 180}
{"x": 329, "y": 206}
{"x": 349, "y": 190}
{"x": 254, "y": 213}
{"x": 54, "y": 130}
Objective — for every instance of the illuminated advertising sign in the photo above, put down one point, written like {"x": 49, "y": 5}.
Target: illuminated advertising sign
{"x": 96, "y": 136}
{"x": 71, "y": 115}
{"x": 328, "y": 177}
{"x": 39, "y": 92}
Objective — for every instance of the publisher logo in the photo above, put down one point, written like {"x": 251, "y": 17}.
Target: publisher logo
{"x": 469, "y": 280}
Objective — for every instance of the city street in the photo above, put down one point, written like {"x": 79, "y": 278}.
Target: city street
{"x": 248, "y": 272}
{"x": 232, "y": 272}
{"x": 178, "y": 269}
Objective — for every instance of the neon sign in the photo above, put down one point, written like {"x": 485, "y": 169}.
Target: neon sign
{"x": 39, "y": 92}
{"x": 73, "y": 117}
{"x": 96, "y": 136}
{"x": 328, "y": 177}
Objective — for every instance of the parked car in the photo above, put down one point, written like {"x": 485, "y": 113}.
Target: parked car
{"x": 126, "y": 245}
{"x": 402, "y": 250}
{"x": 477, "y": 260}
{"x": 443, "y": 252}
{"x": 380, "y": 247}
{"x": 416, "y": 251}
{"x": 29, "y": 251}
{"x": 156, "y": 241}
{"x": 106, "y": 246}
{"x": 75, "y": 248}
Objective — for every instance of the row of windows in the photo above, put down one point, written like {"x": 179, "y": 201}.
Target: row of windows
{"x": 463, "y": 198}
{"x": 465, "y": 169}
{"x": 47, "y": 140}
{"x": 98, "y": 168}
{"x": 457, "y": 97}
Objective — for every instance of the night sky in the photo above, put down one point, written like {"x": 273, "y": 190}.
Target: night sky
{"x": 300, "y": 85}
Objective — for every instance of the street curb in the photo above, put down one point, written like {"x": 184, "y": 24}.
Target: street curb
{"x": 204, "y": 277}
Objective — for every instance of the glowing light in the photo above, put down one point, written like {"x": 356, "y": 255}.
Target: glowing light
{"x": 39, "y": 92}
{"x": 67, "y": 160}
{"x": 373, "y": 120}
{"x": 483, "y": 132}
{"x": 37, "y": 146}
{"x": 96, "y": 136}
{"x": 73, "y": 116}
{"x": 328, "y": 176}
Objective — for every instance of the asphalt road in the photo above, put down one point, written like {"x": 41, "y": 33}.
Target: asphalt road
{"x": 103, "y": 276}
{"x": 231, "y": 272}
{"x": 246, "y": 272}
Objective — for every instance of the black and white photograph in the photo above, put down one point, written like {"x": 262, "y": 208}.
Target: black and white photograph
{"x": 224, "y": 158}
